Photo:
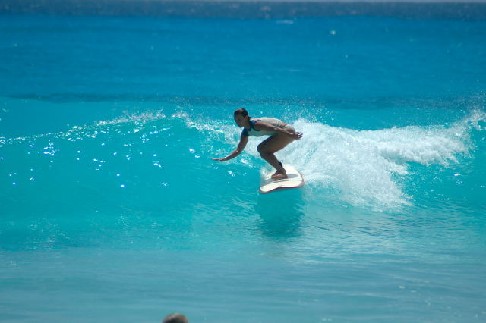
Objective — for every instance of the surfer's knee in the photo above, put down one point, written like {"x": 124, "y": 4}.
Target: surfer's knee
{"x": 265, "y": 154}
{"x": 261, "y": 148}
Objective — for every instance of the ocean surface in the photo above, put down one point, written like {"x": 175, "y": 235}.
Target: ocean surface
{"x": 112, "y": 210}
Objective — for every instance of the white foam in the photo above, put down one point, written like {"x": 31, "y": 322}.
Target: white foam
{"x": 365, "y": 167}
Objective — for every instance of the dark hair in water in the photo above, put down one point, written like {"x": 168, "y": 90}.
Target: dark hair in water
{"x": 241, "y": 111}
{"x": 175, "y": 318}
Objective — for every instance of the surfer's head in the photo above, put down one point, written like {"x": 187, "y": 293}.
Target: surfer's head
{"x": 241, "y": 117}
{"x": 241, "y": 111}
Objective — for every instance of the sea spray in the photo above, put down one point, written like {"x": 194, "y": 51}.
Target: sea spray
{"x": 365, "y": 167}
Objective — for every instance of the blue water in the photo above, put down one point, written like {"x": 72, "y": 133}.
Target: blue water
{"x": 111, "y": 209}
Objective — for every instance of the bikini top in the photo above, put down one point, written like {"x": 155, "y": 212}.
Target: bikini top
{"x": 253, "y": 132}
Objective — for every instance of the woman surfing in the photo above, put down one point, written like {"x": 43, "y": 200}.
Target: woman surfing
{"x": 280, "y": 135}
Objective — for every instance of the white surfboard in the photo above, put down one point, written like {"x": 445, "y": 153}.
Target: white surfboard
{"x": 293, "y": 180}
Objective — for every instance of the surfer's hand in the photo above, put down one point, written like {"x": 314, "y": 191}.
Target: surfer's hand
{"x": 297, "y": 135}
{"x": 218, "y": 159}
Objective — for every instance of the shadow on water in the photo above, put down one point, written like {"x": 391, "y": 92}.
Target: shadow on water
{"x": 280, "y": 214}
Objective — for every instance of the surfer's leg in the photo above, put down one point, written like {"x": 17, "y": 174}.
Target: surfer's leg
{"x": 269, "y": 147}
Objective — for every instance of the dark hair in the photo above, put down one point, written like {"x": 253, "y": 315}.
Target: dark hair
{"x": 175, "y": 318}
{"x": 241, "y": 111}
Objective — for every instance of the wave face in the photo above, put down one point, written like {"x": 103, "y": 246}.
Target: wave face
{"x": 161, "y": 163}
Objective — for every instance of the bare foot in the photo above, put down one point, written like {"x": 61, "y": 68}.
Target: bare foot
{"x": 278, "y": 176}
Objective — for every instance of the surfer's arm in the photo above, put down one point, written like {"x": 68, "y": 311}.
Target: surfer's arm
{"x": 241, "y": 146}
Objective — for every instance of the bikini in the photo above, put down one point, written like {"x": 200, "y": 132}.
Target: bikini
{"x": 254, "y": 132}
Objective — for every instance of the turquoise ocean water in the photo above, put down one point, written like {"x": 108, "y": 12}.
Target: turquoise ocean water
{"x": 111, "y": 209}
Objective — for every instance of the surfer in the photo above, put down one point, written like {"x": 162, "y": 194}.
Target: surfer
{"x": 280, "y": 135}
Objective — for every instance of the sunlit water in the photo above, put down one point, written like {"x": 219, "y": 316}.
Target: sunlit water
{"x": 111, "y": 208}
